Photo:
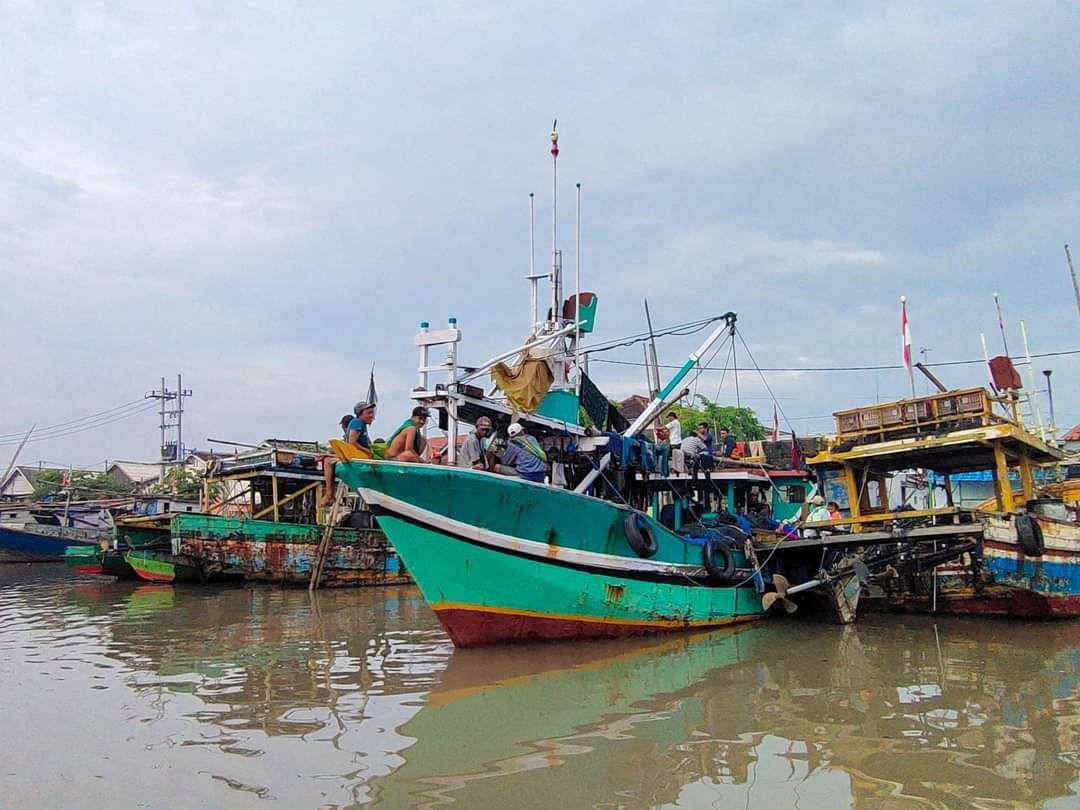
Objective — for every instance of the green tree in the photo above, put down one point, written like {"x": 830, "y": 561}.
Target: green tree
{"x": 182, "y": 482}
{"x": 742, "y": 422}
{"x": 83, "y": 485}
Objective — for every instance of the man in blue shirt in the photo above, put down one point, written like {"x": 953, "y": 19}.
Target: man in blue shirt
{"x": 524, "y": 454}
{"x": 357, "y": 433}
{"x": 727, "y": 443}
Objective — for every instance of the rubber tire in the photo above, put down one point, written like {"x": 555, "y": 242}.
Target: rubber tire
{"x": 719, "y": 562}
{"x": 1029, "y": 536}
{"x": 639, "y": 535}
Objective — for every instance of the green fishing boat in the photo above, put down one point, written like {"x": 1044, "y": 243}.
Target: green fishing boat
{"x": 99, "y": 561}
{"x": 500, "y": 559}
{"x": 163, "y": 566}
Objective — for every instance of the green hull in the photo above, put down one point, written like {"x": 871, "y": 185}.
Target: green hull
{"x": 98, "y": 561}
{"x": 286, "y": 552}
{"x": 501, "y": 560}
{"x": 160, "y": 566}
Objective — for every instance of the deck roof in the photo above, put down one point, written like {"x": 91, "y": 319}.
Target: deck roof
{"x": 952, "y": 451}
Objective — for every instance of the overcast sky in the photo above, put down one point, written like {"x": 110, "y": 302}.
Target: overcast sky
{"x": 269, "y": 198}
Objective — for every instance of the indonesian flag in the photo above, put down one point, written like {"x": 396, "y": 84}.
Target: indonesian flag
{"x": 905, "y": 332}
{"x": 775, "y": 425}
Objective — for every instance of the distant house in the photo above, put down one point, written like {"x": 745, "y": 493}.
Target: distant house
{"x": 632, "y": 407}
{"x": 1072, "y": 440}
{"x": 19, "y": 484}
{"x": 140, "y": 474}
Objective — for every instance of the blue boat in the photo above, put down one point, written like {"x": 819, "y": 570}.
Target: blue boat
{"x": 35, "y": 542}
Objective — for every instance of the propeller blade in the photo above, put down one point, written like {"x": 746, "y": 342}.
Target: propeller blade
{"x": 780, "y": 582}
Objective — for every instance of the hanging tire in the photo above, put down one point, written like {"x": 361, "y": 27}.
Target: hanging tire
{"x": 639, "y": 535}
{"x": 1029, "y": 535}
{"x": 719, "y": 562}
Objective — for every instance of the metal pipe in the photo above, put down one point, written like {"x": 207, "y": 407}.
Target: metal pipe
{"x": 558, "y": 333}
{"x": 556, "y": 281}
{"x": 661, "y": 399}
{"x": 1033, "y": 394}
{"x": 533, "y": 281}
{"x": 1072, "y": 272}
{"x": 577, "y": 293}
{"x": 1050, "y": 397}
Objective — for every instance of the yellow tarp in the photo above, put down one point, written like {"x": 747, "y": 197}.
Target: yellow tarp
{"x": 526, "y": 384}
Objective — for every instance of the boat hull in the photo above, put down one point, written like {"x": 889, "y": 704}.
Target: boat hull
{"x": 45, "y": 544}
{"x": 262, "y": 550}
{"x": 159, "y": 566}
{"x": 485, "y": 596}
{"x": 501, "y": 560}
{"x": 1002, "y": 580}
{"x": 99, "y": 562}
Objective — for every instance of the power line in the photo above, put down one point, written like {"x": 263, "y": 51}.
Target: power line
{"x": 1016, "y": 360}
{"x": 99, "y": 422}
{"x": 70, "y": 422}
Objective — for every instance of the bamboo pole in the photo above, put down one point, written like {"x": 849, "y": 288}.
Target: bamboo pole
{"x": 324, "y": 542}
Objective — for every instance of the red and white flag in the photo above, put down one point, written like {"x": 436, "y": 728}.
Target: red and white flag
{"x": 905, "y": 332}
{"x": 775, "y": 425}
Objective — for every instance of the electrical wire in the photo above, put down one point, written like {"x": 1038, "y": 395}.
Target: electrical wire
{"x": 82, "y": 427}
{"x": 19, "y": 433}
{"x": 1016, "y": 361}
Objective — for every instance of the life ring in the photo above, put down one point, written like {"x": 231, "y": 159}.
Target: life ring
{"x": 1029, "y": 536}
{"x": 719, "y": 562}
{"x": 639, "y": 535}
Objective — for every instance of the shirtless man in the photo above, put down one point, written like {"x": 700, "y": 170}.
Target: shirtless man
{"x": 355, "y": 432}
{"x": 407, "y": 442}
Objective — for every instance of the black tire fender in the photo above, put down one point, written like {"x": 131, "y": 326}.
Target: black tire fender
{"x": 1029, "y": 535}
{"x": 639, "y": 535}
{"x": 719, "y": 562}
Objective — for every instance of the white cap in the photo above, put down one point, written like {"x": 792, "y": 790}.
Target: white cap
{"x": 817, "y": 500}
{"x": 514, "y": 429}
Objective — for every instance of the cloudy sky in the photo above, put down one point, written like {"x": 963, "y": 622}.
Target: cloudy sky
{"x": 268, "y": 198}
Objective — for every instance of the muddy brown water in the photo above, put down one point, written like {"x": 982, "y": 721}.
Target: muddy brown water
{"x": 123, "y": 695}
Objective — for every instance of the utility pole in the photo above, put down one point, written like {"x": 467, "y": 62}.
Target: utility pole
{"x": 171, "y": 418}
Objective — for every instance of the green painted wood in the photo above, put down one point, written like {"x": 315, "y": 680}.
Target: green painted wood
{"x": 186, "y": 524}
{"x": 514, "y": 507}
{"x": 456, "y": 575}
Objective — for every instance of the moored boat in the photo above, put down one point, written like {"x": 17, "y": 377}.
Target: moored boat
{"x": 159, "y": 566}
{"x": 34, "y": 542}
{"x": 504, "y": 560}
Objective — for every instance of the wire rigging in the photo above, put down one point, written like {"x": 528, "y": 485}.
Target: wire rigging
{"x": 19, "y": 433}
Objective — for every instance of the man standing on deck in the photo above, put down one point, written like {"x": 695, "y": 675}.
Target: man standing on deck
{"x": 473, "y": 453}
{"x": 525, "y": 455}
{"x": 727, "y": 443}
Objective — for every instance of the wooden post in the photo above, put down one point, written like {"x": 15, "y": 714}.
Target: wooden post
{"x": 1004, "y": 488}
{"x": 948, "y": 490}
{"x": 274, "y": 489}
{"x": 847, "y": 475}
{"x": 1027, "y": 478}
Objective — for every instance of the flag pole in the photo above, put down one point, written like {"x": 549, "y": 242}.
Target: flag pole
{"x": 1001, "y": 324}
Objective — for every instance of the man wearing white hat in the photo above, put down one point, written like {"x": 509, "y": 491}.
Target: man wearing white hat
{"x": 524, "y": 454}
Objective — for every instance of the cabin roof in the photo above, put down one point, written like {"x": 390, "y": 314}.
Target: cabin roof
{"x": 952, "y": 451}
{"x": 1073, "y": 435}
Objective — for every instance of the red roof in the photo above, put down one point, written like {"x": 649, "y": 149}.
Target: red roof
{"x": 1073, "y": 435}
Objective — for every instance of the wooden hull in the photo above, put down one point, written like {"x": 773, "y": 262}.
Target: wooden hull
{"x": 39, "y": 544}
{"x": 1002, "y": 581}
{"x": 160, "y": 566}
{"x": 485, "y": 552}
{"x": 261, "y": 550}
{"x": 96, "y": 561}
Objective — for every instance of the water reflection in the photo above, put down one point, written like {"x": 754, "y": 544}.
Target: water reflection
{"x": 239, "y": 695}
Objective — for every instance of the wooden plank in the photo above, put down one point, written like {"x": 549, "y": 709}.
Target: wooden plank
{"x": 277, "y": 504}
{"x": 870, "y": 538}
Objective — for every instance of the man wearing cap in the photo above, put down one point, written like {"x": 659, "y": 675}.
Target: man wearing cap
{"x": 354, "y": 431}
{"x": 357, "y": 432}
{"x": 524, "y": 454}
{"x": 407, "y": 442}
{"x": 473, "y": 453}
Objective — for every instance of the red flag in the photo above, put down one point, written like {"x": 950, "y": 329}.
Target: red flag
{"x": 905, "y": 333}
{"x": 796, "y": 452}
{"x": 775, "y": 425}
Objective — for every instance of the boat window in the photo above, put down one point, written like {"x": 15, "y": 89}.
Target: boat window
{"x": 792, "y": 493}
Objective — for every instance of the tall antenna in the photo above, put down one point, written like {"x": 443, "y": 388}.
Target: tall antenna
{"x": 1072, "y": 272}
{"x": 556, "y": 259}
{"x": 1001, "y": 325}
{"x": 577, "y": 291}
{"x": 533, "y": 278}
